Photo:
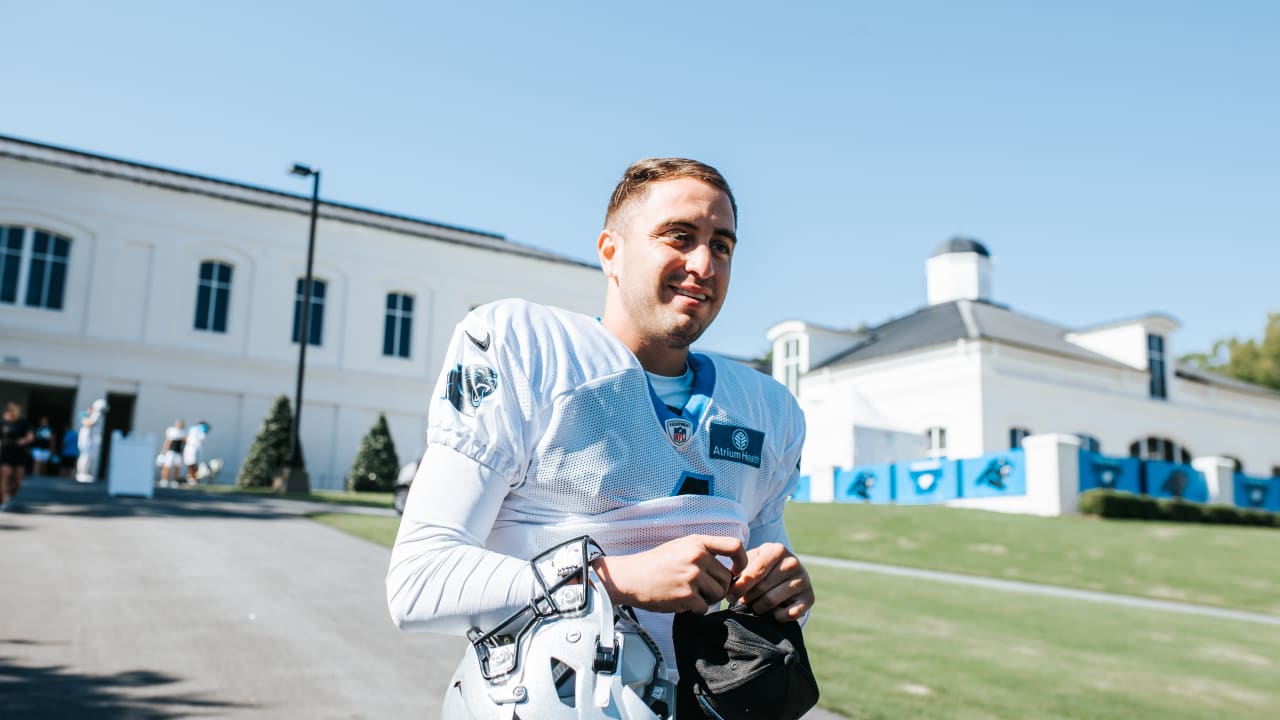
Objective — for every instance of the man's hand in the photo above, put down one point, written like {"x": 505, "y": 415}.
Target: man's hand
{"x": 775, "y": 582}
{"x": 678, "y": 575}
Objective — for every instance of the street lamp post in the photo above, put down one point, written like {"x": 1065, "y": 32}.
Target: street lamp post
{"x": 294, "y": 477}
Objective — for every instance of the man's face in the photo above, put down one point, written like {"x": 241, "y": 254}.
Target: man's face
{"x": 668, "y": 256}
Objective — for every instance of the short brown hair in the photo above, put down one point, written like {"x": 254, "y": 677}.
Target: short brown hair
{"x": 636, "y": 180}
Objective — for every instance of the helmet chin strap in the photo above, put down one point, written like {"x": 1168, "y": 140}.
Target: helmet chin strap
{"x": 606, "y": 663}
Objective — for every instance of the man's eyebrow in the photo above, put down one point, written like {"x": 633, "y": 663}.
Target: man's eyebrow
{"x": 726, "y": 233}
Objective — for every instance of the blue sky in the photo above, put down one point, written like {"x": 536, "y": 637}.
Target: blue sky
{"x": 1117, "y": 158}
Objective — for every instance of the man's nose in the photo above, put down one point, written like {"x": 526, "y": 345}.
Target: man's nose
{"x": 698, "y": 261}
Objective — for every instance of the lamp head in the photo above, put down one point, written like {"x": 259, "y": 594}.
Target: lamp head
{"x": 302, "y": 170}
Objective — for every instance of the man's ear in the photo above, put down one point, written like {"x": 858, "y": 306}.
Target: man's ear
{"x": 607, "y": 249}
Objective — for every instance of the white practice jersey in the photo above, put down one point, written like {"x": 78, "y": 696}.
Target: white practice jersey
{"x": 556, "y": 407}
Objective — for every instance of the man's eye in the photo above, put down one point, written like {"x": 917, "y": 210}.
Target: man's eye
{"x": 722, "y": 248}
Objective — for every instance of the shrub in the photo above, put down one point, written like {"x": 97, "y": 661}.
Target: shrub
{"x": 376, "y": 464}
{"x": 270, "y": 449}
{"x": 1120, "y": 505}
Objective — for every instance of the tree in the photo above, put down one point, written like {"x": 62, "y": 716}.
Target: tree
{"x": 1248, "y": 360}
{"x": 376, "y": 464}
{"x": 270, "y": 449}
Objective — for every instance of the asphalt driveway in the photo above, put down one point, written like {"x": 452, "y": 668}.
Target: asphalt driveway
{"x": 194, "y": 604}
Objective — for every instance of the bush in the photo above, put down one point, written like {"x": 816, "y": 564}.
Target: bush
{"x": 376, "y": 465}
{"x": 1119, "y": 505}
{"x": 270, "y": 449}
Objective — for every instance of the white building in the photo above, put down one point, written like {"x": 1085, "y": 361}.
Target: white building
{"x": 964, "y": 376}
{"x": 175, "y": 295}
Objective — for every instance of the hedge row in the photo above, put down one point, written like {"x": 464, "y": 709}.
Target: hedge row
{"x": 1121, "y": 505}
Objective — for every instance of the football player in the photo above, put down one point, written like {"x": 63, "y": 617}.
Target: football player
{"x": 548, "y": 425}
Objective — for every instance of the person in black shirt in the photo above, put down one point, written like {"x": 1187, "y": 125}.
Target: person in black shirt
{"x": 15, "y": 440}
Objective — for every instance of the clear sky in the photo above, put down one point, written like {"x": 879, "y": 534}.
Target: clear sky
{"x": 1117, "y": 158}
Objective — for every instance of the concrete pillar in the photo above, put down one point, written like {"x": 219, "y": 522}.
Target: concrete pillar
{"x": 1053, "y": 474}
{"x": 1220, "y": 474}
{"x": 822, "y": 485}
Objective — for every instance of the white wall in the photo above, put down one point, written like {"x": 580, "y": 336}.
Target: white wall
{"x": 127, "y": 321}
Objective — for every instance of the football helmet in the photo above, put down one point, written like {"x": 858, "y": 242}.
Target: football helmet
{"x": 569, "y": 654}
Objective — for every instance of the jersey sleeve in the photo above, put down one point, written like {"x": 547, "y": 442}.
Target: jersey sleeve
{"x": 481, "y": 407}
{"x": 768, "y": 525}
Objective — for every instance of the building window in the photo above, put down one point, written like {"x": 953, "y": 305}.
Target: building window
{"x": 44, "y": 285}
{"x": 1016, "y": 436}
{"x": 1158, "y": 448}
{"x": 316, "y": 317}
{"x": 398, "y": 328}
{"x": 1155, "y": 365}
{"x": 937, "y": 440}
{"x": 1089, "y": 442}
{"x": 791, "y": 365}
{"x": 212, "y": 296}
{"x": 10, "y": 262}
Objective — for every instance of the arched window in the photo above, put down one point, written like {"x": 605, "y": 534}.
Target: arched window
{"x": 315, "y": 317}
{"x": 1236, "y": 465}
{"x": 398, "y": 328}
{"x": 44, "y": 282}
{"x": 213, "y": 295}
{"x": 1159, "y": 448}
{"x": 936, "y": 437}
{"x": 791, "y": 364}
{"x": 1016, "y": 436}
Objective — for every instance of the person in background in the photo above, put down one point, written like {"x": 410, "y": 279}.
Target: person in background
{"x": 89, "y": 442}
{"x": 42, "y": 447}
{"x": 191, "y": 449}
{"x": 16, "y": 437}
{"x": 69, "y": 451}
{"x": 171, "y": 453}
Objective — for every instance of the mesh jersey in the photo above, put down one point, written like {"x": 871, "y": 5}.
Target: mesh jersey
{"x": 556, "y": 405}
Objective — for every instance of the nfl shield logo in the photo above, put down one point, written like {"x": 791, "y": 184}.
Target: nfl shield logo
{"x": 679, "y": 430}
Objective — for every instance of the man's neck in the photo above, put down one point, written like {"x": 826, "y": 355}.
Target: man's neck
{"x": 654, "y": 356}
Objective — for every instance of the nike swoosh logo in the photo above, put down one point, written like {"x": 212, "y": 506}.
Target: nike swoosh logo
{"x": 482, "y": 344}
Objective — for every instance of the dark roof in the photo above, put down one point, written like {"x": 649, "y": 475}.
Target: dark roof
{"x": 181, "y": 181}
{"x": 959, "y": 244}
{"x": 1195, "y": 374}
{"x": 964, "y": 319}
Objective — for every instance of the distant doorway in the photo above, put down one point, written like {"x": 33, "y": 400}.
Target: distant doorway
{"x": 119, "y": 417}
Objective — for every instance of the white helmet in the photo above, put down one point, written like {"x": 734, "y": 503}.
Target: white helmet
{"x": 566, "y": 654}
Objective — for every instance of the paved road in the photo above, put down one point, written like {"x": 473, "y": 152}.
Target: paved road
{"x": 202, "y": 605}
{"x": 197, "y": 604}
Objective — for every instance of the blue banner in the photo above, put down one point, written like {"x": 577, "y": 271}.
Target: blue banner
{"x": 1169, "y": 480}
{"x": 801, "y": 493}
{"x": 1109, "y": 473}
{"x": 926, "y": 481}
{"x": 865, "y": 484}
{"x": 1257, "y": 493}
{"x": 993, "y": 475}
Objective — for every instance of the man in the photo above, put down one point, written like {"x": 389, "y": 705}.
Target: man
{"x": 192, "y": 450}
{"x": 15, "y": 441}
{"x": 548, "y": 425}
{"x": 171, "y": 453}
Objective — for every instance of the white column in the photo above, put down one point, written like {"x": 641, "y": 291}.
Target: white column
{"x": 1053, "y": 474}
{"x": 822, "y": 485}
{"x": 1220, "y": 474}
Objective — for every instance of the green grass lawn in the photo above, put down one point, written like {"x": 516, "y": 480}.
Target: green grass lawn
{"x": 1222, "y": 565}
{"x": 338, "y": 497}
{"x": 889, "y": 647}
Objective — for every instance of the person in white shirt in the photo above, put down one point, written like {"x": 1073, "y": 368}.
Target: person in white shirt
{"x": 547, "y": 425}
{"x": 192, "y": 446}
{"x": 171, "y": 453}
